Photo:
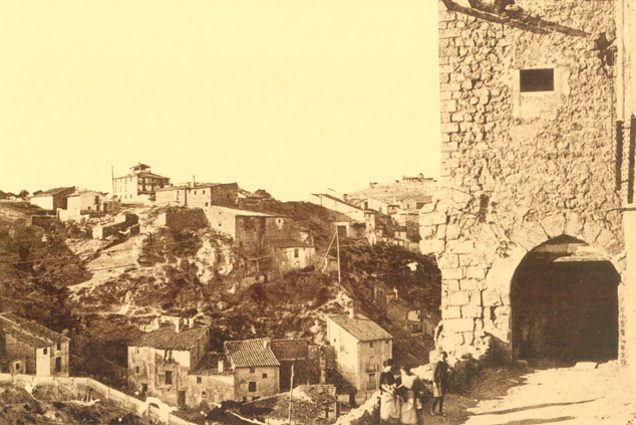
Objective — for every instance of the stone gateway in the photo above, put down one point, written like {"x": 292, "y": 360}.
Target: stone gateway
{"x": 527, "y": 228}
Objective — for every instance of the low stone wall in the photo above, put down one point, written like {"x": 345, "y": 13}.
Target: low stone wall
{"x": 131, "y": 222}
{"x": 181, "y": 218}
{"x": 80, "y": 384}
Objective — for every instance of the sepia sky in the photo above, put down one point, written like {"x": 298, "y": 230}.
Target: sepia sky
{"x": 293, "y": 96}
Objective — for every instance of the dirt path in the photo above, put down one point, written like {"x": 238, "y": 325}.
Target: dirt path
{"x": 575, "y": 395}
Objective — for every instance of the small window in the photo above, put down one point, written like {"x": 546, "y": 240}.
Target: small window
{"x": 203, "y": 393}
{"x": 45, "y": 351}
{"x": 203, "y": 191}
{"x": 199, "y": 380}
{"x": 252, "y": 370}
{"x": 59, "y": 346}
{"x": 206, "y": 204}
{"x": 371, "y": 345}
{"x": 168, "y": 379}
{"x": 195, "y": 192}
{"x": 251, "y": 387}
{"x": 264, "y": 376}
{"x": 372, "y": 378}
{"x": 534, "y": 80}
{"x": 136, "y": 369}
{"x": 296, "y": 252}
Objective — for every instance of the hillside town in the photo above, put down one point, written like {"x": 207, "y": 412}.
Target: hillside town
{"x": 500, "y": 293}
{"x": 182, "y": 358}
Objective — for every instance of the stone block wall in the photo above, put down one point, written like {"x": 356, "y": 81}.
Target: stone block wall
{"x": 519, "y": 168}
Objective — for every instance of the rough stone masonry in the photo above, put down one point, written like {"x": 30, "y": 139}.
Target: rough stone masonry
{"x": 527, "y": 121}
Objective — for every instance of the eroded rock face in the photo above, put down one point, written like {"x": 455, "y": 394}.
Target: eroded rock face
{"x": 519, "y": 166}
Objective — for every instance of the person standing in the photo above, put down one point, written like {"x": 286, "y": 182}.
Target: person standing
{"x": 388, "y": 393}
{"x": 440, "y": 384}
{"x": 406, "y": 390}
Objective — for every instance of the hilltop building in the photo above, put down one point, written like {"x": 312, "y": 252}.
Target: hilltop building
{"x": 199, "y": 195}
{"x": 26, "y": 347}
{"x": 138, "y": 186}
{"x": 52, "y": 199}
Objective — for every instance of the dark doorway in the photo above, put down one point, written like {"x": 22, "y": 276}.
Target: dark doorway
{"x": 58, "y": 364}
{"x": 565, "y": 304}
{"x": 182, "y": 398}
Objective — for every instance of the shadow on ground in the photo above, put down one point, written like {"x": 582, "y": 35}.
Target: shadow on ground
{"x": 491, "y": 383}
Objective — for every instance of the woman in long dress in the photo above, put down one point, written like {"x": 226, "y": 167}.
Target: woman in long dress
{"x": 408, "y": 411}
{"x": 388, "y": 395}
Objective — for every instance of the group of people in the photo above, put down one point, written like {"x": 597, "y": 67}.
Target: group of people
{"x": 403, "y": 394}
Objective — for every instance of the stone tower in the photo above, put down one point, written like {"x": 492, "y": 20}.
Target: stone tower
{"x": 527, "y": 229}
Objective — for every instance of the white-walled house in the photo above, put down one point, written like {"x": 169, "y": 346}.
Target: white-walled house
{"x": 27, "y": 347}
{"x": 361, "y": 347}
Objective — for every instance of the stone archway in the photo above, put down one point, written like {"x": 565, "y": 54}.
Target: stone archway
{"x": 564, "y": 303}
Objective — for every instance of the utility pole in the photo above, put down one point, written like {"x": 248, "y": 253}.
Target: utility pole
{"x": 338, "y": 252}
{"x": 291, "y": 393}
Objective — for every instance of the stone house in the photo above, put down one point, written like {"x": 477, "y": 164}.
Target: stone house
{"x": 255, "y": 367}
{"x": 52, "y": 199}
{"x": 255, "y": 232}
{"x": 26, "y": 347}
{"x": 138, "y": 186}
{"x": 529, "y": 133}
{"x": 161, "y": 360}
{"x": 289, "y": 255}
{"x": 361, "y": 347}
{"x": 199, "y": 195}
{"x": 211, "y": 381}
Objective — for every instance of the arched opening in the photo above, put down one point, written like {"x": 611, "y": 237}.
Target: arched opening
{"x": 564, "y": 304}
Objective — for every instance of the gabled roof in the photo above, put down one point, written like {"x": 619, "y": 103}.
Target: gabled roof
{"x": 360, "y": 327}
{"x": 209, "y": 365}
{"x": 29, "y": 332}
{"x": 333, "y": 198}
{"x": 251, "y": 353}
{"x": 166, "y": 338}
{"x": 54, "y": 191}
{"x": 242, "y": 213}
{"x": 195, "y": 186}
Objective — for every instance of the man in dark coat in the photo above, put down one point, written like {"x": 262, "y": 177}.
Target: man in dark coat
{"x": 440, "y": 384}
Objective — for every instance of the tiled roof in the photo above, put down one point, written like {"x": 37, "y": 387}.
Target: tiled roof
{"x": 166, "y": 338}
{"x": 209, "y": 365}
{"x": 30, "y": 332}
{"x": 290, "y": 349}
{"x": 143, "y": 174}
{"x": 251, "y": 353}
{"x": 362, "y": 328}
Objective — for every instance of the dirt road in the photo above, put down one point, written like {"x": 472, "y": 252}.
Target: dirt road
{"x": 577, "y": 395}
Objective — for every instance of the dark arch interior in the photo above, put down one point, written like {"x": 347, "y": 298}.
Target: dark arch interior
{"x": 564, "y": 306}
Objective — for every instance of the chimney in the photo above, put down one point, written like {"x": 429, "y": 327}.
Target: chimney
{"x": 265, "y": 343}
{"x": 221, "y": 365}
{"x": 178, "y": 324}
{"x": 352, "y": 311}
